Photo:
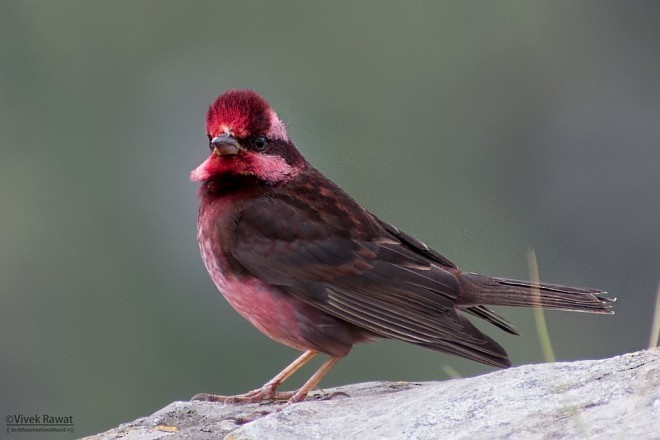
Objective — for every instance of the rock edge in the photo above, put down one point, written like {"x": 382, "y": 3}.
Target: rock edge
{"x": 612, "y": 398}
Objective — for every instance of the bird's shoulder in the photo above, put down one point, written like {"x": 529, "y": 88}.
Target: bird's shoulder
{"x": 312, "y": 212}
{"x": 310, "y": 207}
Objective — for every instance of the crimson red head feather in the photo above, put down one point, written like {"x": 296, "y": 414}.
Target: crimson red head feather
{"x": 243, "y": 113}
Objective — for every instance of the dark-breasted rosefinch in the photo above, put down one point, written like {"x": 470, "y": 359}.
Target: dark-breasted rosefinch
{"x": 312, "y": 269}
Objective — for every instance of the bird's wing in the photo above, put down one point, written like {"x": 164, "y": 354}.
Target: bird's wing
{"x": 357, "y": 269}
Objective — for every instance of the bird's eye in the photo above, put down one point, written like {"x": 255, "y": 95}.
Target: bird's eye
{"x": 260, "y": 142}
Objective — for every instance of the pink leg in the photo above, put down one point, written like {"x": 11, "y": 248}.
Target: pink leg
{"x": 301, "y": 394}
{"x": 269, "y": 390}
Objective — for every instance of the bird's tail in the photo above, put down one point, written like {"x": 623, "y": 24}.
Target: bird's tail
{"x": 483, "y": 290}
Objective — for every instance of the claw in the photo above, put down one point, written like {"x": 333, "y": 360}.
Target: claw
{"x": 269, "y": 390}
{"x": 255, "y": 396}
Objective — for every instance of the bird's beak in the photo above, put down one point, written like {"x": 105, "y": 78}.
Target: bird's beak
{"x": 225, "y": 145}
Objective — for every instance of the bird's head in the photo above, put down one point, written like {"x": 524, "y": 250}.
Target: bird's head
{"x": 246, "y": 137}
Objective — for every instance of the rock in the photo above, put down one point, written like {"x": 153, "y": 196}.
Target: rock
{"x": 602, "y": 399}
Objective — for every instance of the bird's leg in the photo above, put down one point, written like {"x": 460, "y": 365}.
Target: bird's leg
{"x": 271, "y": 386}
{"x": 300, "y": 395}
{"x": 269, "y": 390}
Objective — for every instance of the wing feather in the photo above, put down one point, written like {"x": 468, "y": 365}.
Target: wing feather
{"x": 362, "y": 271}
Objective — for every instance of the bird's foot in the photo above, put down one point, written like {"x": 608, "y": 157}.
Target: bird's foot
{"x": 301, "y": 396}
{"x": 267, "y": 392}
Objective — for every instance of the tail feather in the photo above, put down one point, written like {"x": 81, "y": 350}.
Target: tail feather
{"x": 483, "y": 290}
{"x": 492, "y": 317}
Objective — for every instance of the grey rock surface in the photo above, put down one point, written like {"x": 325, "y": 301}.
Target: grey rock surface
{"x": 616, "y": 398}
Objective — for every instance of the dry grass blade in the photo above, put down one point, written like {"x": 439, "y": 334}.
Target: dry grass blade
{"x": 654, "y": 340}
{"x": 539, "y": 316}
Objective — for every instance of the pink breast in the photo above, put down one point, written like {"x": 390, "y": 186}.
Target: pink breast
{"x": 279, "y": 315}
{"x": 271, "y": 311}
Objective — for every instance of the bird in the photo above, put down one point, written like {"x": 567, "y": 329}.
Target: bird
{"x": 314, "y": 270}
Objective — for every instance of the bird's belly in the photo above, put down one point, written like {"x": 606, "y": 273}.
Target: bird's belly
{"x": 271, "y": 312}
{"x": 279, "y": 315}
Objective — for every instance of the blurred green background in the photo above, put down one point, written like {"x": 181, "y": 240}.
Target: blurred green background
{"x": 482, "y": 128}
